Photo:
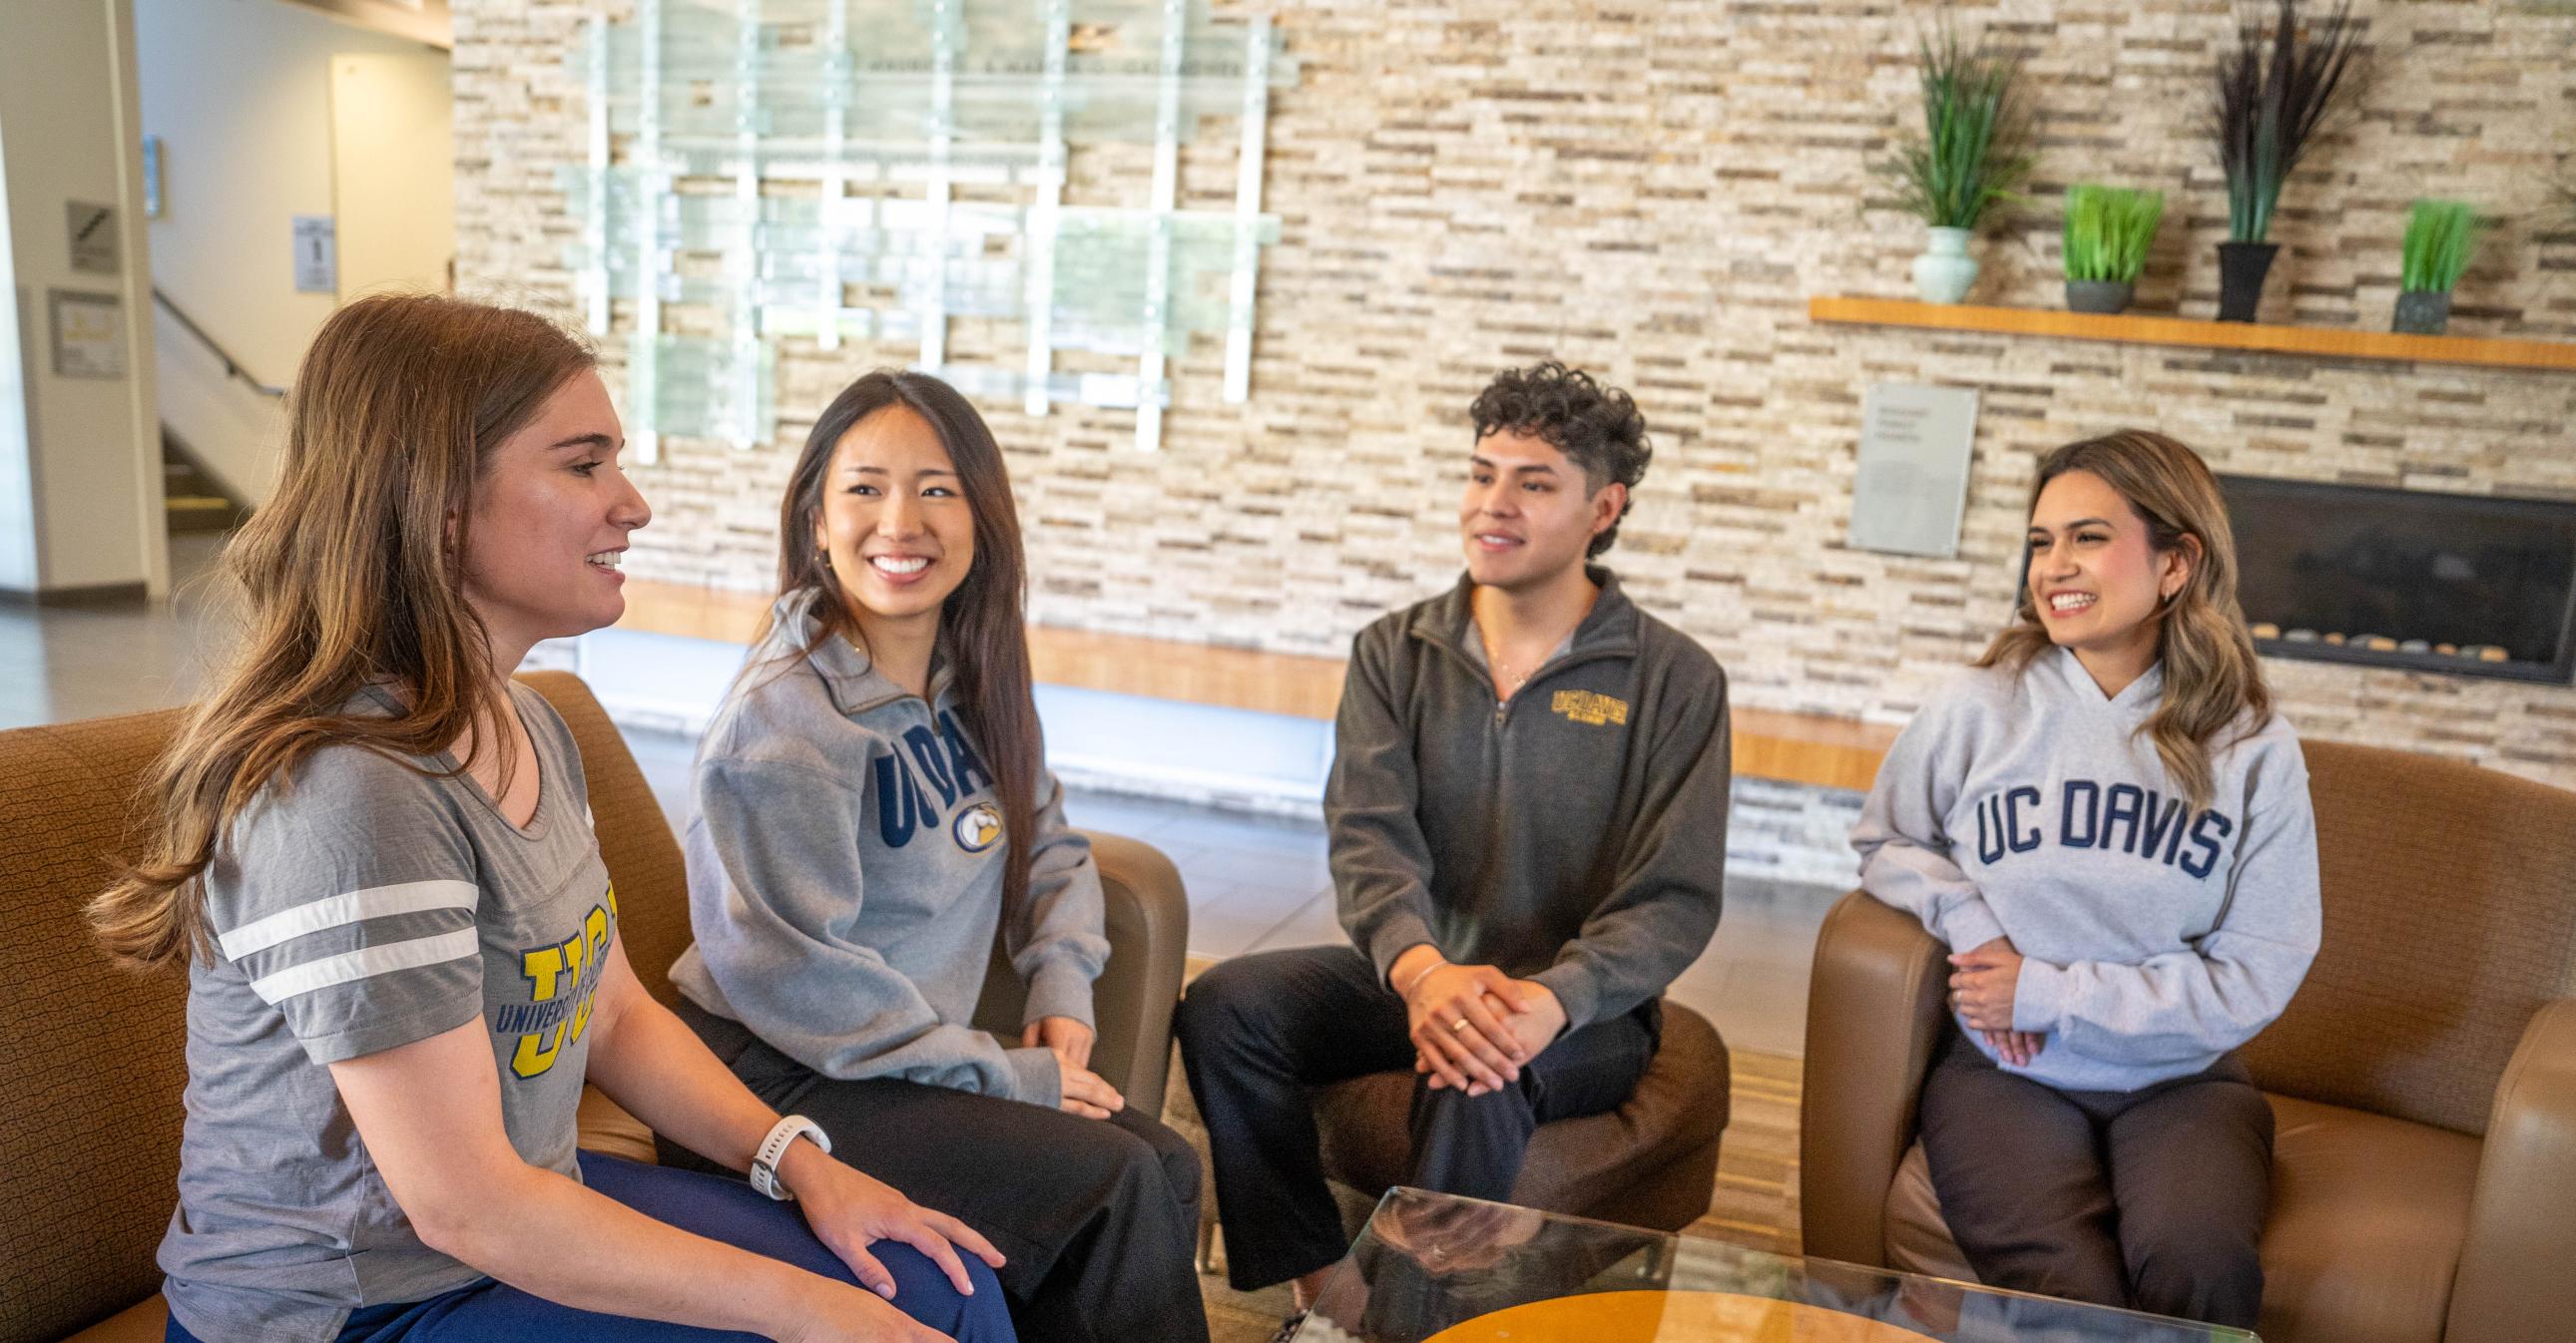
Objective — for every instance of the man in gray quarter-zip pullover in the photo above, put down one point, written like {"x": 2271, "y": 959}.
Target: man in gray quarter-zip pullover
{"x": 1528, "y": 820}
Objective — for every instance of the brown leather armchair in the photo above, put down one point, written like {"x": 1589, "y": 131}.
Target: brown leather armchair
{"x": 2423, "y": 1080}
{"x": 92, "y": 1063}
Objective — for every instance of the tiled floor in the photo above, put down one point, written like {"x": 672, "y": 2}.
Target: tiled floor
{"x": 60, "y": 664}
{"x": 1255, "y": 883}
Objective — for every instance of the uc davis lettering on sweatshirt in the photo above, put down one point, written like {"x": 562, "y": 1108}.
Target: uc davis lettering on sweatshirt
{"x": 2089, "y": 814}
{"x": 2156, "y": 935}
{"x": 952, "y": 769}
{"x": 845, "y": 876}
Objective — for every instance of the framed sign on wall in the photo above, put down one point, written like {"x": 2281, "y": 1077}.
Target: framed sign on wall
{"x": 89, "y": 334}
{"x": 1911, "y": 487}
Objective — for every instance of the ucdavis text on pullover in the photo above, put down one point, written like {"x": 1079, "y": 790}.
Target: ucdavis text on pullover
{"x": 845, "y": 877}
{"x": 2156, "y": 936}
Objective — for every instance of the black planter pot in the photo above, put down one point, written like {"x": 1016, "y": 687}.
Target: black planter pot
{"x": 2098, "y": 295}
{"x": 2426, "y": 313}
{"x": 2241, "y": 268}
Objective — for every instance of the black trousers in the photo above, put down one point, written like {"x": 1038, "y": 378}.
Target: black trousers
{"x": 2149, "y": 1200}
{"x": 1098, "y": 1218}
{"x": 1258, "y": 1030}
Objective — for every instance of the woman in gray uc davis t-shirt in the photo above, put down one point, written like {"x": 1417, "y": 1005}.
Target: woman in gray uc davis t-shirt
{"x": 375, "y": 856}
{"x": 873, "y": 805}
{"x": 2109, "y": 827}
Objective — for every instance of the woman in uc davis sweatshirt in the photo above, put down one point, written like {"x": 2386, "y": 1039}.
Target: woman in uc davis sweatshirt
{"x": 872, "y": 806}
{"x": 2109, "y": 827}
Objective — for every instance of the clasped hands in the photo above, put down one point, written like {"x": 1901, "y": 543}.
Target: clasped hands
{"x": 1473, "y": 1027}
{"x": 1982, "y": 981}
{"x": 1086, "y": 1093}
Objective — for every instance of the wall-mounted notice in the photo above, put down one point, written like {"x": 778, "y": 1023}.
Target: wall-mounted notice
{"x": 89, "y": 334}
{"x": 317, "y": 255}
{"x": 1912, "y": 485}
{"x": 93, "y": 236}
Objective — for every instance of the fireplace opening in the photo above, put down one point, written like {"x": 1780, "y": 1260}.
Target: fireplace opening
{"x": 2467, "y": 584}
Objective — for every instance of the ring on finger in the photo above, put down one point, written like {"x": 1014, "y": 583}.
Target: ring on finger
{"x": 1459, "y": 1025}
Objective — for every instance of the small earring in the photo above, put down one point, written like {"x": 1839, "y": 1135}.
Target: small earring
{"x": 826, "y": 556}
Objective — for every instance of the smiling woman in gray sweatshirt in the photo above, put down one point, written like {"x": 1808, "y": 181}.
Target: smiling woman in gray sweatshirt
{"x": 2109, "y": 827}
{"x": 873, "y": 810}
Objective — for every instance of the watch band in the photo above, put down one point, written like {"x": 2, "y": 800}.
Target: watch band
{"x": 764, "y": 1163}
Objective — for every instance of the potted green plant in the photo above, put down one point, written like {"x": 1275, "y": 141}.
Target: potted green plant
{"x": 2108, "y": 232}
{"x": 1974, "y": 151}
{"x": 2441, "y": 238}
{"x": 2272, "y": 99}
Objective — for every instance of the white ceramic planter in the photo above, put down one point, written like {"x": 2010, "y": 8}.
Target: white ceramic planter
{"x": 1945, "y": 270}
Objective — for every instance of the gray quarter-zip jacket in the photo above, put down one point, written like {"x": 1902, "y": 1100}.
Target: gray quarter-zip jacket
{"x": 845, "y": 877}
{"x": 1575, "y": 834}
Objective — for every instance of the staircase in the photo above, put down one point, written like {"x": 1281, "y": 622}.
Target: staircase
{"x": 196, "y": 503}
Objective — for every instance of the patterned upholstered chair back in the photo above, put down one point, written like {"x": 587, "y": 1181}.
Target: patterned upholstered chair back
{"x": 2450, "y": 917}
{"x": 91, "y": 1069}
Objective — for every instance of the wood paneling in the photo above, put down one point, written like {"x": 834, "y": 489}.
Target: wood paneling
{"x": 1796, "y": 748}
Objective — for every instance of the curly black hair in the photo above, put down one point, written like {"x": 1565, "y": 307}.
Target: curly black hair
{"x": 1598, "y": 428}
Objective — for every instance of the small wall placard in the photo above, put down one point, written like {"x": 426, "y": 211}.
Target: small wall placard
{"x": 1911, "y": 487}
{"x": 89, "y": 334}
{"x": 92, "y": 230}
{"x": 317, "y": 255}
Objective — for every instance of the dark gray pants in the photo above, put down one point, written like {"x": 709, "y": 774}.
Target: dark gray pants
{"x": 1098, "y": 1218}
{"x": 2149, "y": 1200}
{"x": 1258, "y": 1030}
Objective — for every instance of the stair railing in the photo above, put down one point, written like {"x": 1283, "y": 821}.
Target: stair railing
{"x": 232, "y": 366}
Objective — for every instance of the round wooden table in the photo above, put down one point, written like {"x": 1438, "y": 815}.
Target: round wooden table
{"x": 1671, "y": 1317}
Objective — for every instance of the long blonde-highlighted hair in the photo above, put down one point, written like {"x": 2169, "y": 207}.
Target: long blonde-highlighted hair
{"x": 2212, "y": 676}
{"x": 350, "y": 575}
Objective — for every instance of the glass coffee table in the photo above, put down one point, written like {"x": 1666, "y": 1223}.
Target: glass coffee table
{"x": 1434, "y": 1268}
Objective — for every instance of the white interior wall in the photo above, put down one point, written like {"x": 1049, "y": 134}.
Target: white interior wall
{"x": 240, "y": 94}
{"x": 393, "y": 171}
{"x": 78, "y": 450}
{"x": 17, "y": 481}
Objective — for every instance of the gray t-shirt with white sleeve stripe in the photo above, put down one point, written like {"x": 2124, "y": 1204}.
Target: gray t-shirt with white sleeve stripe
{"x": 357, "y": 906}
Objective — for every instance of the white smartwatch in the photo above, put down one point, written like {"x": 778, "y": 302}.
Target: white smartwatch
{"x": 764, "y": 1163}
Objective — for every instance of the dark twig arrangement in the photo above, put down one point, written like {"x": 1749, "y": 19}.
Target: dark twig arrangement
{"x": 2272, "y": 101}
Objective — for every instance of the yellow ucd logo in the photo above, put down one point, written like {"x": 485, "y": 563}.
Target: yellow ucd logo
{"x": 977, "y": 827}
{"x": 1583, "y": 706}
{"x": 563, "y": 980}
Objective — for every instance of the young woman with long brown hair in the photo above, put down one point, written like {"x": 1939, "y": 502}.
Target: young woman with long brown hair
{"x": 873, "y": 806}
{"x": 375, "y": 859}
{"x": 2109, "y": 827}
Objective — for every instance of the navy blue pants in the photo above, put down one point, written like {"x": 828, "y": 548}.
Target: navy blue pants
{"x": 717, "y": 1208}
{"x": 1257, "y": 1031}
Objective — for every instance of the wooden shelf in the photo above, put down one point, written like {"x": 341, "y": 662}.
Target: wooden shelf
{"x": 2328, "y": 342}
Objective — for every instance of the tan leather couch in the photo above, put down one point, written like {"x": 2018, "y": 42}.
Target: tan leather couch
{"x": 2423, "y": 1080}
{"x": 91, "y": 1062}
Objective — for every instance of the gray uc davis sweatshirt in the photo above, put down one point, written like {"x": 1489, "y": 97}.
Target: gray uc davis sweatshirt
{"x": 845, "y": 877}
{"x": 1575, "y": 835}
{"x": 2155, "y": 937}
